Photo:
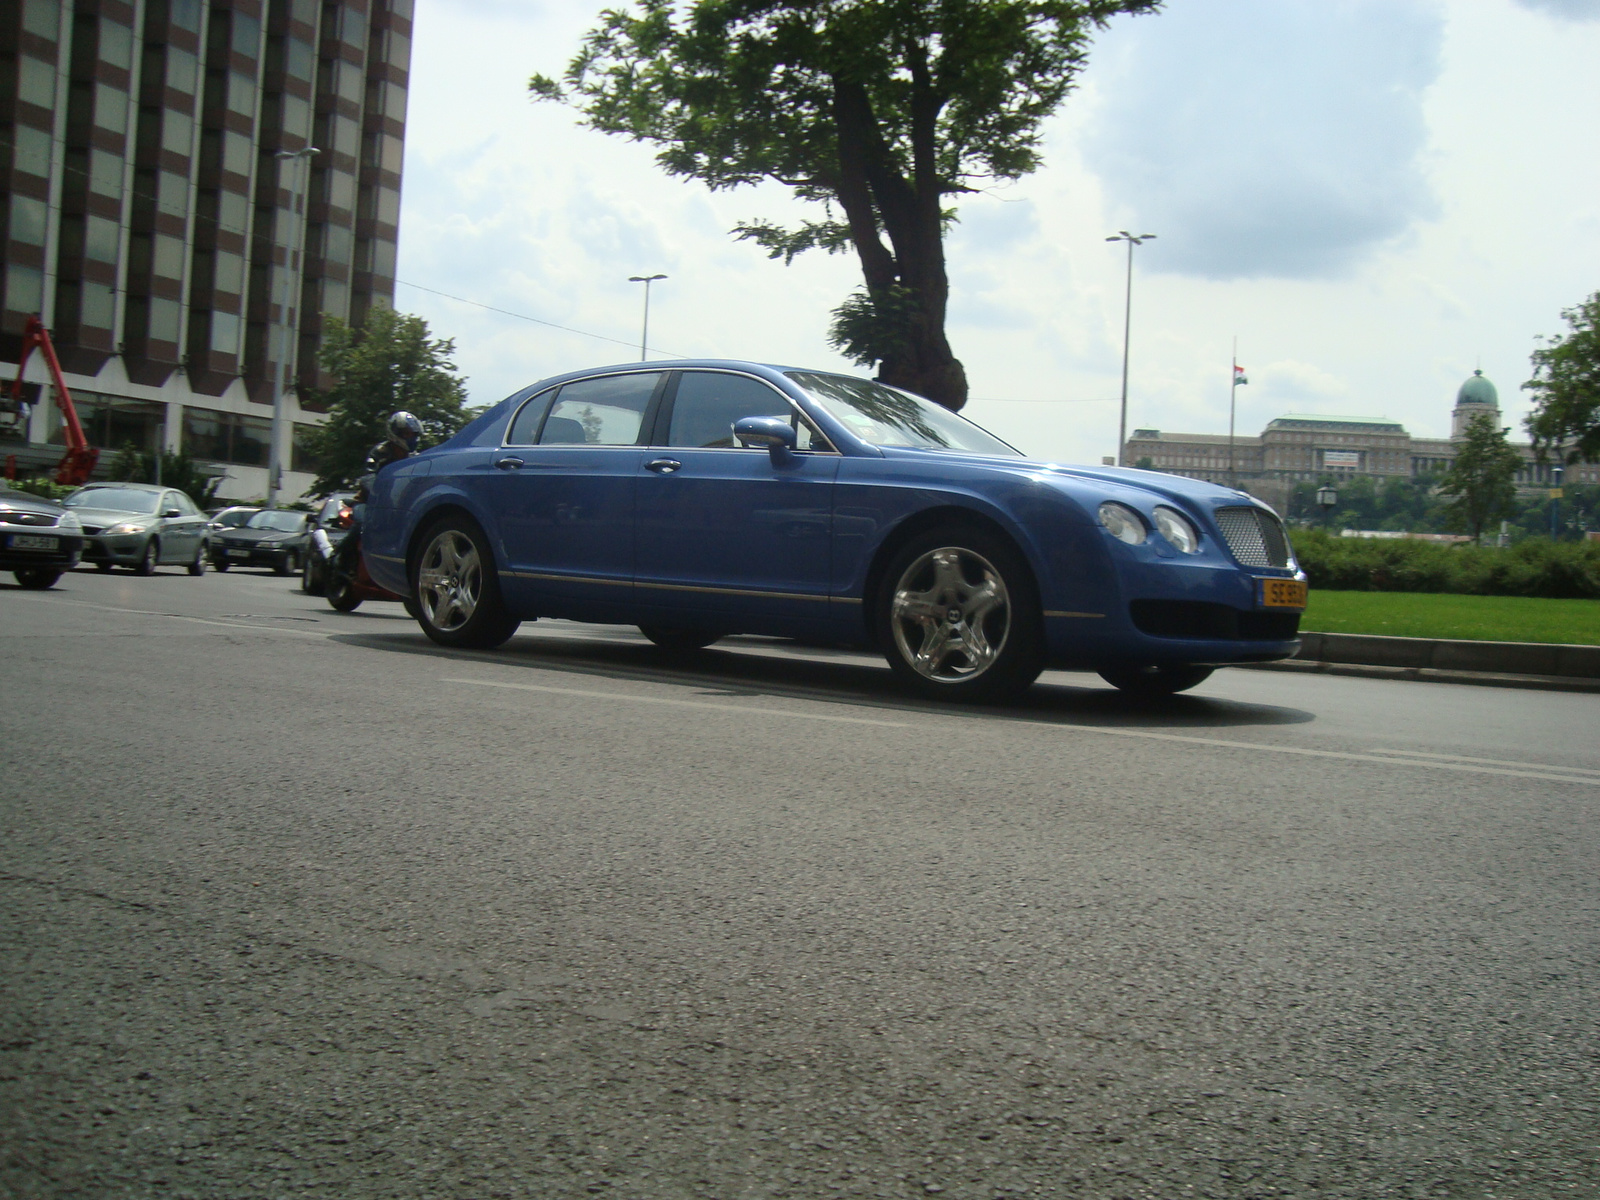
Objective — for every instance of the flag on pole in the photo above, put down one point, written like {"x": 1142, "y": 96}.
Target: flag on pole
{"x": 1238, "y": 375}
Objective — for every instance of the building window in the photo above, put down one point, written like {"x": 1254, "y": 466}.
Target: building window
{"x": 246, "y": 36}
{"x": 241, "y": 94}
{"x": 298, "y": 60}
{"x": 225, "y": 327}
{"x": 98, "y": 305}
{"x": 24, "y": 288}
{"x": 111, "y": 108}
{"x": 236, "y": 153}
{"x": 172, "y": 193}
{"x": 27, "y": 220}
{"x": 229, "y": 275}
{"x": 112, "y": 422}
{"x": 296, "y": 116}
{"x": 183, "y": 70}
{"x": 166, "y": 316}
{"x": 177, "y": 132}
{"x": 31, "y": 154}
{"x": 300, "y": 456}
{"x": 36, "y": 81}
{"x": 226, "y": 437}
{"x": 100, "y": 240}
{"x": 167, "y": 256}
{"x": 42, "y": 17}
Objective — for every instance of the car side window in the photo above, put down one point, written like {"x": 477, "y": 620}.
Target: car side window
{"x": 709, "y": 402}
{"x": 600, "y": 412}
{"x": 525, "y": 429}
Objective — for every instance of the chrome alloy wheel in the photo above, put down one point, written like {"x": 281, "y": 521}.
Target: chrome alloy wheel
{"x": 449, "y": 580}
{"x": 951, "y": 615}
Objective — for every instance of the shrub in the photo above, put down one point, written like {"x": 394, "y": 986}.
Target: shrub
{"x": 42, "y": 485}
{"x": 1535, "y": 567}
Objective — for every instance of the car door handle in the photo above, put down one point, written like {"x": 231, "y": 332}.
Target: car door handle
{"x": 509, "y": 464}
{"x": 663, "y": 466}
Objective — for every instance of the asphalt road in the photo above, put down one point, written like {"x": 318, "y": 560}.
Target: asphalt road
{"x": 294, "y": 904}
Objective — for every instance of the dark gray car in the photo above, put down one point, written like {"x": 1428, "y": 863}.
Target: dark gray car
{"x": 39, "y": 539}
{"x": 140, "y": 525}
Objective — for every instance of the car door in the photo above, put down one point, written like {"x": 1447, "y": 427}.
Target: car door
{"x": 733, "y": 531}
{"x": 180, "y": 534}
{"x": 562, "y": 493}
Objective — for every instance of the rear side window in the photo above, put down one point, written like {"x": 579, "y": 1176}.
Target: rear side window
{"x": 708, "y": 403}
{"x": 600, "y": 412}
{"x": 525, "y": 429}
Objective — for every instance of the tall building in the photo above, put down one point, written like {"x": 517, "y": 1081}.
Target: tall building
{"x": 151, "y": 200}
{"x": 1300, "y": 447}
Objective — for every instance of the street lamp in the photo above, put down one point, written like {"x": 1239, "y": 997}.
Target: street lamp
{"x": 1326, "y": 499}
{"x": 291, "y": 330}
{"x": 1555, "y": 501}
{"x": 644, "y": 335}
{"x": 1127, "y": 318}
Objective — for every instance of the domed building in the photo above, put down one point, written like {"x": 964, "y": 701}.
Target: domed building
{"x": 1298, "y": 446}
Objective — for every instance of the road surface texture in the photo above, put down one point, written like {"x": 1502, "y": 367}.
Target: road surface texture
{"x": 293, "y": 903}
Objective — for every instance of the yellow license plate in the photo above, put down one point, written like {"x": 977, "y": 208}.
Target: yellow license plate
{"x": 1283, "y": 593}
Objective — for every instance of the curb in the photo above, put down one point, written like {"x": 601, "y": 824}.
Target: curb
{"x": 1545, "y": 665}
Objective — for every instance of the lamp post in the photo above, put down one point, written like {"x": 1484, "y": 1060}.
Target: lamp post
{"x": 1326, "y": 499}
{"x": 1555, "y": 501}
{"x": 297, "y": 228}
{"x": 644, "y": 334}
{"x": 1127, "y": 324}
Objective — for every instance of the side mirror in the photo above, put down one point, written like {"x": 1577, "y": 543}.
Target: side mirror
{"x": 170, "y": 512}
{"x": 776, "y": 434}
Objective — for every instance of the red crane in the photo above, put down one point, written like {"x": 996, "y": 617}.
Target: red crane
{"x": 78, "y": 462}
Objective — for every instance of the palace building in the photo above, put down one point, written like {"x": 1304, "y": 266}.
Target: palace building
{"x": 152, "y": 199}
{"x": 1301, "y": 447}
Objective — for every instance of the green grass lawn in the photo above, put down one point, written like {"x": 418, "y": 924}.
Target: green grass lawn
{"x": 1435, "y": 615}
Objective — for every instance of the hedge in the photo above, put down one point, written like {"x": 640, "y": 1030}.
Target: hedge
{"x": 1535, "y": 567}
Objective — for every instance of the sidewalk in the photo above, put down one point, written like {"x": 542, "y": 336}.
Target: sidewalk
{"x": 1545, "y": 665}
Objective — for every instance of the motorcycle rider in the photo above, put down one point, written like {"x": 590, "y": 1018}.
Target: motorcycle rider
{"x": 404, "y": 430}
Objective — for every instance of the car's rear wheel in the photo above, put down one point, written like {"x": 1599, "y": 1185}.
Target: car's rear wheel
{"x": 147, "y": 561}
{"x": 37, "y": 577}
{"x": 219, "y": 564}
{"x": 102, "y": 566}
{"x": 958, "y": 616}
{"x": 669, "y": 637}
{"x": 310, "y": 577}
{"x": 198, "y": 566}
{"x": 456, "y": 589}
{"x": 1151, "y": 682}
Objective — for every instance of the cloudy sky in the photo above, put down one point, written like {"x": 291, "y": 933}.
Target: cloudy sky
{"x": 1374, "y": 197}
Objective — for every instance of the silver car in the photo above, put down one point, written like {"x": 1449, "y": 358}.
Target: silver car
{"x": 140, "y": 525}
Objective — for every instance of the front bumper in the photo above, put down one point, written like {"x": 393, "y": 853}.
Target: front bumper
{"x": 251, "y": 556}
{"x": 123, "y": 549}
{"x": 63, "y": 555}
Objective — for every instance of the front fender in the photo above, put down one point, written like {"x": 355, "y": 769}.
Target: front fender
{"x": 389, "y": 531}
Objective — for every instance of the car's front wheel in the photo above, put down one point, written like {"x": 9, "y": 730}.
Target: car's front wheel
{"x": 456, "y": 589}
{"x": 310, "y": 577}
{"x": 669, "y": 637}
{"x": 958, "y": 617}
{"x": 285, "y": 565}
{"x": 147, "y": 561}
{"x": 1151, "y": 682}
{"x": 37, "y": 577}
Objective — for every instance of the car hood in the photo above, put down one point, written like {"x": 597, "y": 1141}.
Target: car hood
{"x": 22, "y": 502}
{"x": 252, "y": 535}
{"x": 112, "y": 516}
{"x": 1105, "y": 481}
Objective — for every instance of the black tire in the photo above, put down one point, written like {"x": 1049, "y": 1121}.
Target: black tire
{"x": 102, "y": 566}
{"x": 148, "y": 560}
{"x": 680, "y": 640}
{"x": 219, "y": 564}
{"x": 1149, "y": 683}
{"x": 341, "y": 592}
{"x": 958, "y": 616}
{"x": 456, "y": 588}
{"x": 310, "y": 577}
{"x": 198, "y": 567}
{"x": 36, "y": 578}
{"x": 284, "y": 566}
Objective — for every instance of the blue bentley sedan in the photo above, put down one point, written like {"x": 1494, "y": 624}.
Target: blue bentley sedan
{"x": 699, "y": 498}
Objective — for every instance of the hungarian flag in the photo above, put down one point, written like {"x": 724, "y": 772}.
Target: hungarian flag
{"x": 1238, "y": 375}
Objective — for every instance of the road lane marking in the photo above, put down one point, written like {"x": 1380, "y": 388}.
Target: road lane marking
{"x": 668, "y": 700}
{"x": 1347, "y": 755}
{"x": 1492, "y": 762}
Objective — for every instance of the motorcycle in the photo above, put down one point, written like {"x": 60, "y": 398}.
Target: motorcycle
{"x": 345, "y": 588}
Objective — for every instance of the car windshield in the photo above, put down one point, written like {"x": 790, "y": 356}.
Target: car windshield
{"x": 129, "y": 500}
{"x": 232, "y": 520}
{"x": 885, "y": 416}
{"x": 282, "y": 522}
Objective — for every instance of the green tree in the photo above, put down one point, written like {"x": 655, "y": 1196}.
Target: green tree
{"x": 388, "y": 364}
{"x": 1566, "y": 387}
{"x": 1480, "y": 478}
{"x": 878, "y": 109}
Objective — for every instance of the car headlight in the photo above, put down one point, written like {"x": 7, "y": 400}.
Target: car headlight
{"x": 125, "y": 527}
{"x": 1122, "y": 522}
{"x": 1177, "y": 529}
{"x": 69, "y": 523}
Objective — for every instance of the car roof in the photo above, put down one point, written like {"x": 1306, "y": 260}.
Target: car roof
{"x": 135, "y": 487}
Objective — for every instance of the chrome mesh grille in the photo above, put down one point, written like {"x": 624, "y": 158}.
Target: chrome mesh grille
{"x": 1255, "y": 537}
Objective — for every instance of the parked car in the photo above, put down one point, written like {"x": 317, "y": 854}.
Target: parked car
{"x": 313, "y": 569}
{"x": 700, "y": 498}
{"x": 273, "y": 537}
{"x": 39, "y": 539}
{"x": 140, "y": 525}
{"x": 230, "y": 518}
